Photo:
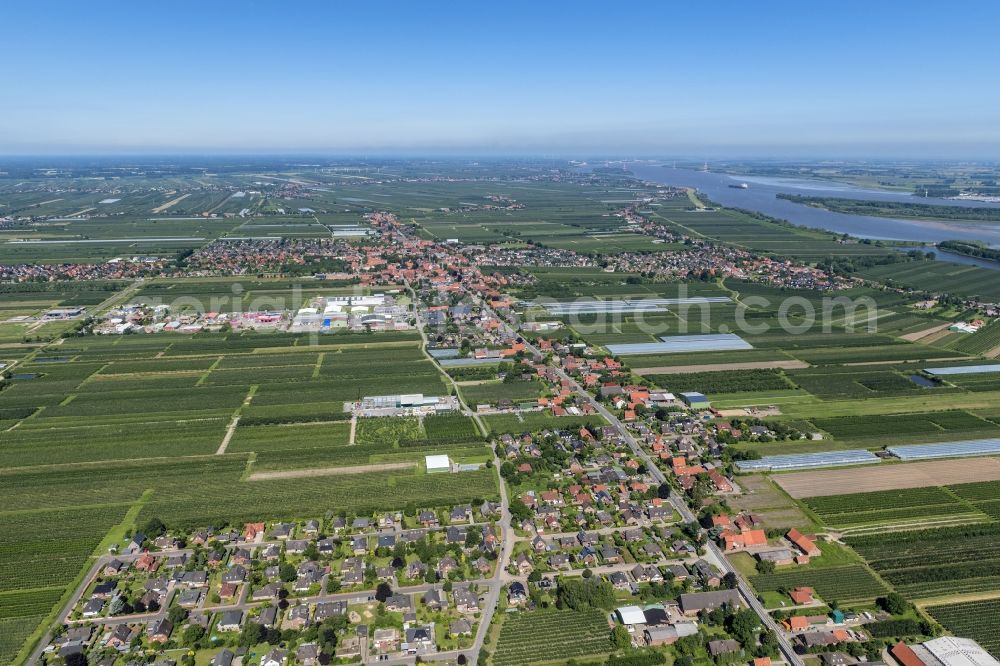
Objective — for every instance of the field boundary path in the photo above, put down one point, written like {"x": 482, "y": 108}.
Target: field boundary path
{"x": 329, "y": 471}
{"x": 924, "y": 332}
{"x": 714, "y": 367}
{"x": 230, "y": 431}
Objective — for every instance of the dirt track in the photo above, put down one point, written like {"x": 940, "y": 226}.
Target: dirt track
{"x": 917, "y": 335}
{"x": 329, "y": 471}
{"x": 715, "y": 367}
{"x": 889, "y": 477}
{"x": 171, "y": 203}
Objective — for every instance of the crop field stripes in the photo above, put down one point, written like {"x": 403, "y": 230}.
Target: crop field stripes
{"x": 236, "y": 419}
{"x": 935, "y": 562}
{"x": 26, "y": 610}
{"x": 846, "y": 584}
{"x": 915, "y": 525}
{"x": 559, "y": 635}
{"x": 973, "y": 619}
{"x": 893, "y": 507}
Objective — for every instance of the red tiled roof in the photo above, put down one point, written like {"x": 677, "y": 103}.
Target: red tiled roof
{"x": 906, "y": 656}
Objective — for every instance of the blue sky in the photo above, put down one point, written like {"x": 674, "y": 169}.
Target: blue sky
{"x": 576, "y": 78}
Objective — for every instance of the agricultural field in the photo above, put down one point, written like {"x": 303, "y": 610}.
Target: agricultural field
{"x": 114, "y": 431}
{"x": 564, "y": 215}
{"x": 493, "y": 392}
{"x": 14, "y": 631}
{"x": 530, "y": 422}
{"x": 733, "y": 381}
{"x": 450, "y": 427}
{"x": 871, "y": 431}
{"x": 41, "y": 554}
{"x": 559, "y": 635}
{"x": 935, "y": 562}
{"x": 563, "y": 283}
{"x": 959, "y": 279}
{"x": 972, "y": 619}
{"x": 980, "y": 342}
{"x": 976, "y": 382}
{"x": 761, "y": 497}
{"x": 816, "y": 483}
{"x": 847, "y": 382}
{"x": 756, "y": 233}
{"x": 887, "y": 506}
{"x": 98, "y": 239}
{"x": 847, "y": 584}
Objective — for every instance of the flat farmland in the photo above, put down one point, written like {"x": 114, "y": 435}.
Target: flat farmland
{"x": 761, "y": 497}
{"x": 532, "y": 422}
{"x": 754, "y": 233}
{"x": 558, "y": 635}
{"x": 822, "y": 483}
{"x": 720, "y": 367}
{"x": 973, "y": 619}
{"x": 113, "y": 431}
{"x": 924, "y": 564}
{"x": 905, "y": 425}
{"x": 848, "y": 584}
{"x": 492, "y": 392}
{"x": 733, "y": 381}
{"x": 917, "y": 505}
{"x": 958, "y": 279}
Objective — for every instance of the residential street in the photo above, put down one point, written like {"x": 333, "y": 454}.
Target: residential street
{"x": 713, "y": 554}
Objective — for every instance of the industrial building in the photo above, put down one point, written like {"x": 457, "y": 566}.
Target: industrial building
{"x": 411, "y": 404}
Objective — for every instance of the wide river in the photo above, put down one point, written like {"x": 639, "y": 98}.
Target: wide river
{"x": 761, "y": 197}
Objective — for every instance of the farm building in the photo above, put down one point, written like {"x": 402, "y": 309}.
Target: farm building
{"x": 414, "y": 404}
{"x": 966, "y": 327}
{"x": 695, "y": 602}
{"x": 696, "y": 400}
{"x": 671, "y": 633}
{"x": 629, "y": 615}
{"x": 437, "y": 463}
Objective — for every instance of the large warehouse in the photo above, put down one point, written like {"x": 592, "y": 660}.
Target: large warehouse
{"x": 946, "y": 651}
